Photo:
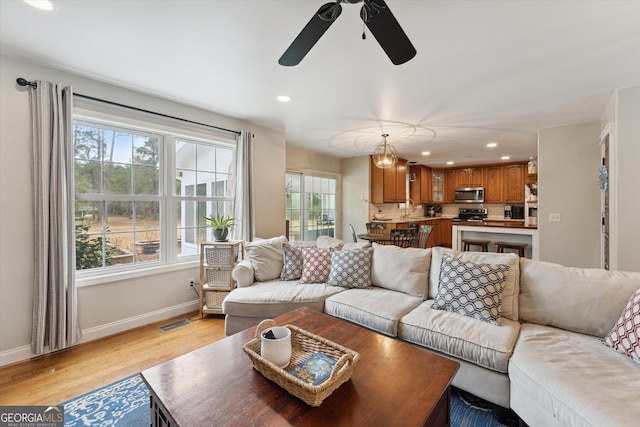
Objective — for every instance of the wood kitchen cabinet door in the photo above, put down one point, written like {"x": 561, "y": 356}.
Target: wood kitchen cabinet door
{"x": 420, "y": 189}
{"x": 449, "y": 185}
{"x": 446, "y": 238}
{"x": 514, "y": 183}
{"x": 476, "y": 177}
{"x": 493, "y": 180}
{"x": 462, "y": 177}
{"x": 388, "y": 185}
{"x": 469, "y": 177}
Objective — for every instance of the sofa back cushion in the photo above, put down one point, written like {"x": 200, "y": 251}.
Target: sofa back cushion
{"x": 584, "y": 300}
{"x": 266, "y": 257}
{"x": 511, "y": 288}
{"x": 401, "y": 269}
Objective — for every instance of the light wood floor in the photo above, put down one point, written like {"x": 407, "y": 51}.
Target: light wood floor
{"x": 51, "y": 379}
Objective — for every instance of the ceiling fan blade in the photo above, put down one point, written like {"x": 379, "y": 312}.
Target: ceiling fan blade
{"x": 310, "y": 34}
{"x": 386, "y": 29}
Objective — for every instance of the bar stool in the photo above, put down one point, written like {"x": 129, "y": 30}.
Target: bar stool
{"x": 467, "y": 243}
{"x": 506, "y": 245}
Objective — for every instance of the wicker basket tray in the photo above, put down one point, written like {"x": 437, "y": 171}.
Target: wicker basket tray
{"x": 303, "y": 345}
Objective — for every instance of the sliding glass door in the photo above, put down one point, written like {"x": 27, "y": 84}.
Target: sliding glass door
{"x": 310, "y": 206}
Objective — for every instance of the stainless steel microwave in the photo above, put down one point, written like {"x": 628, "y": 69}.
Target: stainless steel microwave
{"x": 469, "y": 195}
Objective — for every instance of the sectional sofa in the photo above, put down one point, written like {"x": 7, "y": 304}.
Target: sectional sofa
{"x": 555, "y": 344}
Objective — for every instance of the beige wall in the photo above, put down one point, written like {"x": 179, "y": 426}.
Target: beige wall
{"x": 568, "y": 160}
{"x": 301, "y": 160}
{"x": 117, "y": 305}
{"x": 355, "y": 186}
{"x": 624, "y": 114}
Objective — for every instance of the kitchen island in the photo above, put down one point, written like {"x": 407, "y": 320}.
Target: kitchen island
{"x": 497, "y": 231}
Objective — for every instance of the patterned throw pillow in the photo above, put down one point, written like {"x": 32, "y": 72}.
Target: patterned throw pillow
{"x": 350, "y": 268}
{"x": 316, "y": 265}
{"x": 471, "y": 289}
{"x": 625, "y": 335}
{"x": 292, "y": 268}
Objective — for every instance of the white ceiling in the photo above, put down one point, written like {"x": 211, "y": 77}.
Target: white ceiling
{"x": 485, "y": 70}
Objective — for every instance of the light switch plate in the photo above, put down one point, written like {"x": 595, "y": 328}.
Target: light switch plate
{"x": 554, "y": 217}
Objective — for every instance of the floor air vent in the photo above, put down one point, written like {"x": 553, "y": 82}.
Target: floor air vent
{"x": 174, "y": 325}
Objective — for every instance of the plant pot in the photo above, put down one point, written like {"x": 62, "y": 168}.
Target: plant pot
{"x": 220, "y": 234}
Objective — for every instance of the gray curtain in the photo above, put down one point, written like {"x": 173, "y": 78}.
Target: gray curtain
{"x": 55, "y": 315}
{"x": 243, "y": 204}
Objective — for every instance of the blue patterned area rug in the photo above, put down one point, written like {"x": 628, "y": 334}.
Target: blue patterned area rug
{"x": 126, "y": 403}
{"x": 122, "y": 403}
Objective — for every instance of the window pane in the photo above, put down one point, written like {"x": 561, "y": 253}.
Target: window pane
{"x": 206, "y": 158}
{"x": 117, "y": 178}
{"x": 146, "y": 150}
{"x": 224, "y": 160}
{"x": 88, "y": 176}
{"x": 146, "y": 180}
{"x": 185, "y": 155}
{"x": 87, "y": 143}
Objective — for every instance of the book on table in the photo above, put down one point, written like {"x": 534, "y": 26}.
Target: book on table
{"x": 315, "y": 369}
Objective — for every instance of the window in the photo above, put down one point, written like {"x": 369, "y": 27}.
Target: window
{"x": 310, "y": 206}
{"x": 141, "y": 194}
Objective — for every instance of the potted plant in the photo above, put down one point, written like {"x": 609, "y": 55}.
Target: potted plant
{"x": 221, "y": 225}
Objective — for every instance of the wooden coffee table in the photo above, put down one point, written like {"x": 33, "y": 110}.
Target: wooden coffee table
{"x": 394, "y": 384}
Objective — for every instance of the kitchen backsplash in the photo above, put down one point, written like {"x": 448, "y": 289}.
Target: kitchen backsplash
{"x": 393, "y": 211}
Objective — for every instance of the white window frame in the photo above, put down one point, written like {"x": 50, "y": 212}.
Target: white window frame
{"x": 169, "y": 131}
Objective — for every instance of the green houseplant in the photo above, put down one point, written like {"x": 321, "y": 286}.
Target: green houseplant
{"x": 221, "y": 225}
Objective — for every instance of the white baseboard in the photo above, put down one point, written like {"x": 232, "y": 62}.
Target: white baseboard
{"x": 19, "y": 354}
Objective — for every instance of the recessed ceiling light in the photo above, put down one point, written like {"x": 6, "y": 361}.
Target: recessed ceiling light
{"x": 425, "y": 153}
{"x": 449, "y": 163}
{"x": 45, "y": 5}
{"x": 284, "y": 98}
{"x": 492, "y": 144}
{"x": 505, "y": 157}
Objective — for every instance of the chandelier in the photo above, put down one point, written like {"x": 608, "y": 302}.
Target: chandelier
{"x": 385, "y": 155}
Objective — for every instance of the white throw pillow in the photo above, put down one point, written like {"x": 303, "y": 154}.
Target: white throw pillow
{"x": 404, "y": 270}
{"x": 266, "y": 257}
{"x": 327, "y": 242}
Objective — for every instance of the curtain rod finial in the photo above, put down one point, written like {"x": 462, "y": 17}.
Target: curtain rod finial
{"x": 25, "y": 82}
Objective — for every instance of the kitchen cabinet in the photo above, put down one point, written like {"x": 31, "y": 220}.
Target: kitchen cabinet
{"x": 449, "y": 186}
{"x": 388, "y": 185}
{"x": 469, "y": 177}
{"x": 445, "y": 234}
{"x": 437, "y": 186}
{"x": 514, "y": 183}
{"x": 493, "y": 180}
{"x": 420, "y": 189}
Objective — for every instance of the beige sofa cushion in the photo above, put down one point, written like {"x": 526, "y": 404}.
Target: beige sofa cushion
{"x": 266, "y": 257}
{"x": 511, "y": 288}
{"x": 276, "y": 297}
{"x": 482, "y": 343}
{"x": 574, "y": 377}
{"x": 374, "y": 308}
{"x": 403, "y": 270}
{"x": 585, "y": 300}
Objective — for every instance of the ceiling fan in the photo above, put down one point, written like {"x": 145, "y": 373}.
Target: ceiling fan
{"x": 374, "y": 13}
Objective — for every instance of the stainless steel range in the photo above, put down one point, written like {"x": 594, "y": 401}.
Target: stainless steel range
{"x": 471, "y": 214}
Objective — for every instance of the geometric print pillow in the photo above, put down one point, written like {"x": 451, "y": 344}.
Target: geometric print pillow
{"x": 471, "y": 289}
{"x": 625, "y": 335}
{"x": 292, "y": 268}
{"x": 351, "y": 269}
{"x": 316, "y": 265}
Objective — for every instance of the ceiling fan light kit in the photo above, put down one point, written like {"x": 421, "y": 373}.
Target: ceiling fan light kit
{"x": 374, "y": 13}
{"x": 385, "y": 155}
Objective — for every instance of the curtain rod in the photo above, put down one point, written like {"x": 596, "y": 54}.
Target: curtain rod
{"x": 24, "y": 82}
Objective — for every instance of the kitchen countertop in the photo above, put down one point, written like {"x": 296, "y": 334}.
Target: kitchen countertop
{"x": 409, "y": 219}
{"x": 496, "y": 223}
